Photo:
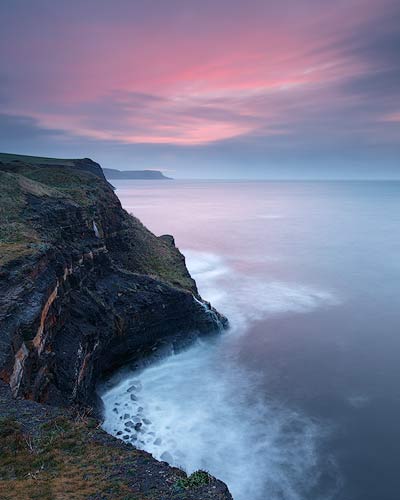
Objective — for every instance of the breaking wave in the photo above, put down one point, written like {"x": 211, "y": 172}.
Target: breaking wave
{"x": 243, "y": 298}
{"x": 200, "y": 409}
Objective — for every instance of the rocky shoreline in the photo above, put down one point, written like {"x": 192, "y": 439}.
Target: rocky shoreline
{"x": 85, "y": 287}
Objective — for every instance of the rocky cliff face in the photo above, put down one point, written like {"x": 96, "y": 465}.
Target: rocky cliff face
{"x": 84, "y": 285}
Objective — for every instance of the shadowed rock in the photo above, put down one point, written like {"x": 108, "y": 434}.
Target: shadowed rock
{"x": 85, "y": 287}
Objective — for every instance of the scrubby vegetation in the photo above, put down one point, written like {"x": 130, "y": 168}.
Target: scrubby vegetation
{"x": 16, "y": 235}
{"x": 63, "y": 461}
{"x": 24, "y": 180}
{"x": 197, "y": 479}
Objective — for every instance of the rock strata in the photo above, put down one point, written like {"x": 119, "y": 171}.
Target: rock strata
{"x": 84, "y": 286}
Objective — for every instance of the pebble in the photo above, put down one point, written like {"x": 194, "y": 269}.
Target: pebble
{"x": 129, "y": 424}
{"x": 138, "y": 426}
{"x": 157, "y": 441}
{"x": 131, "y": 388}
{"x": 126, "y": 436}
{"x": 133, "y": 397}
{"x": 126, "y": 415}
{"x": 115, "y": 410}
{"x": 146, "y": 421}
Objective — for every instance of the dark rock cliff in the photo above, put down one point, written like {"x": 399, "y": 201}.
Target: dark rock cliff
{"x": 84, "y": 286}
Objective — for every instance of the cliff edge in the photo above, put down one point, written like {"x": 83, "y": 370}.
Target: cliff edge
{"x": 84, "y": 286}
{"x": 112, "y": 174}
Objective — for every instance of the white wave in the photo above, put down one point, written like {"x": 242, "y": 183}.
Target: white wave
{"x": 200, "y": 413}
{"x": 244, "y": 298}
{"x": 201, "y": 409}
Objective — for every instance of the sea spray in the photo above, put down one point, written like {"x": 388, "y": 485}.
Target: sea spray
{"x": 201, "y": 409}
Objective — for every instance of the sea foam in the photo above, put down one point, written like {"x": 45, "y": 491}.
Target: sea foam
{"x": 200, "y": 409}
{"x": 244, "y": 298}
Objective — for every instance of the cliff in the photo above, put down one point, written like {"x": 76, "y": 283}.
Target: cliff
{"x": 84, "y": 286}
{"x": 111, "y": 173}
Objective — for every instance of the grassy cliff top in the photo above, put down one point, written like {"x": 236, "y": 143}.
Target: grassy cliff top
{"x": 82, "y": 164}
{"x": 50, "y": 453}
{"x": 20, "y": 182}
{"x": 34, "y": 160}
{"x": 30, "y": 186}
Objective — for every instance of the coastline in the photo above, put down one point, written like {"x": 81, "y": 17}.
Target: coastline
{"x": 85, "y": 288}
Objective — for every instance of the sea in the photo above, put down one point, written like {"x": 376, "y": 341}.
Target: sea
{"x": 300, "y": 398}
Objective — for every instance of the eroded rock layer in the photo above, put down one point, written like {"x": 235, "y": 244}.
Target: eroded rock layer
{"x": 84, "y": 285}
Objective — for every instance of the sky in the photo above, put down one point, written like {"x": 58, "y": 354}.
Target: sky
{"x": 205, "y": 89}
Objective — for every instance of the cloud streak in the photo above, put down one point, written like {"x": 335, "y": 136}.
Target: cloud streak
{"x": 187, "y": 75}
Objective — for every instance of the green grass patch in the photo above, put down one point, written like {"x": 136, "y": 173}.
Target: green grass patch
{"x": 196, "y": 480}
{"x": 33, "y": 160}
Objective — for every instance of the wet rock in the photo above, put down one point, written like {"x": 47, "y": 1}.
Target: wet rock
{"x": 138, "y": 426}
{"x": 127, "y": 430}
{"x": 119, "y": 433}
{"x": 129, "y": 423}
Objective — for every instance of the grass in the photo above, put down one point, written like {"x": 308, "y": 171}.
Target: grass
{"x": 10, "y": 157}
{"x": 63, "y": 462}
{"x": 196, "y": 480}
{"x": 141, "y": 252}
{"x": 16, "y": 235}
{"x": 153, "y": 256}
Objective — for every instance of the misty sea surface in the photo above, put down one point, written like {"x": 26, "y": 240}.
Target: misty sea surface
{"x": 300, "y": 399}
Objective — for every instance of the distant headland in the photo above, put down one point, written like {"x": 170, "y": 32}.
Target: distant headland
{"x": 111, "y": 173}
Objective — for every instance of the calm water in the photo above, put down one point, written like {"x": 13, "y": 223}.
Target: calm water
{"x": 301, "y": 398}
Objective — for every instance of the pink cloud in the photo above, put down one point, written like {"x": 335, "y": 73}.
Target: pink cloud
{"x": 214, "y": 74}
